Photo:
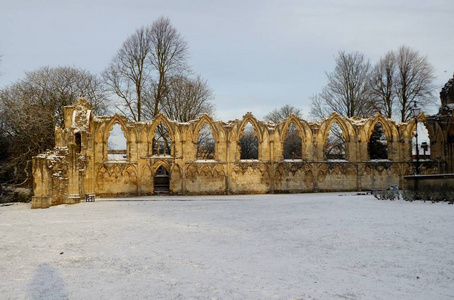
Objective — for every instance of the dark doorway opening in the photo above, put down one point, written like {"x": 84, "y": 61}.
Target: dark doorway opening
{"x": 78, "y": 138}
{"x": 161, "y": 181}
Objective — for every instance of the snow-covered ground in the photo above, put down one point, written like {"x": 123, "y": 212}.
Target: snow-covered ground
{"x": 301, "y": 246}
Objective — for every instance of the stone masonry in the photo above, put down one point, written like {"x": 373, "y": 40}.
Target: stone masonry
{"x": 79, "y": 164}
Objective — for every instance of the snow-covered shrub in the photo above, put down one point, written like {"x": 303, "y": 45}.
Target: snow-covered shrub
{"x": 386, "y": 195}
{"x": 434, "y": 196}
{"x": 408, "y": 195}
{"x": 450, "y": 197}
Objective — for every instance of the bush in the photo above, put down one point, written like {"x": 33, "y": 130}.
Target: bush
{"x": 22, "y": 195}
{"x": 408, "y": 195}
{"x": 386, "y": 195}
{"x": 434, "y": 196}
{"x": 13, "y": 194}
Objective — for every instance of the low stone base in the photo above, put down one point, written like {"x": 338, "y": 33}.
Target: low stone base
{"x": 430, "y": 183}
{"x": 41, "y": 202}
{"x": 73, "y": 199}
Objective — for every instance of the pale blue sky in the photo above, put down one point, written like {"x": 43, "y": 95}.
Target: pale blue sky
{"x": 256, "y": 55}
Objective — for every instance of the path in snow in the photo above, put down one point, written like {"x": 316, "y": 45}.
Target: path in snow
{"x": 308, "y": 246}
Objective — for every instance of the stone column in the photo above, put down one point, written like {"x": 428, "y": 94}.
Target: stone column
{"x": 73, "y": 175}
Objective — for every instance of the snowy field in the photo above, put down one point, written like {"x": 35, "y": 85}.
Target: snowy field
{"x": 302, "y": 246}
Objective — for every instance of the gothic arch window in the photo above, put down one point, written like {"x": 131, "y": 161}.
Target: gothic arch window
{"x": 292, "y": 145}
{"x": 205, "y": 143}
{"x": 249, "y": 144}
{"x": 116, "y": 144}
{"x": 378, "y": 143}
{"x": 161, "y": 141}
{"x": 335, "y": 142}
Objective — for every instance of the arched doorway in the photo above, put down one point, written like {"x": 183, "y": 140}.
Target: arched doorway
{"x": 161, "y": 181}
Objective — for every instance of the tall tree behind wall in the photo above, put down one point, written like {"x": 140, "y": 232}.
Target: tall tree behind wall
{"x": 400, "y": 78}
{"x": 414, "y": 80}
{"x": 128, "y": 76}
{"x": 282, "y": 113}
{"x": 140, "y": 73}
{"x": 382, "y": 83}
{"x": 187, "y": 99}
{"x": 347, "y": 91}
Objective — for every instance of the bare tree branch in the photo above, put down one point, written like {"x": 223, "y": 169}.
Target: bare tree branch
{"x": 187, "y": 99}
{"x": 31, "y": 108}
{"x": 382, "y": 83}
{"x": 347, "y": 90}
{"x": 414, "y": 80}
{"x": 282, "y": 113}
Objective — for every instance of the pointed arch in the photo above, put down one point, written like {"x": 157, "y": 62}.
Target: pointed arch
{"x": 107, "y": 129}
{"x": 249, "y": 118}
{"x": 219, "y": 170}
{"x": 377, "y": 146}
{"x": 162, "y": 119}
{"x": 347, "y": 129}
{"x": 173, "y": 130}
{"x": 146, "y": 169}
{"x": 176, "y": 171}
{"x": 389, "y": 127}
{"x": 116, "y": 119}
{"x": 161, "y": 177}
{"x": 167, "y": 147}
{"x": 292, "y": 141}
{"x": 335, "y": 143}
{"x": 205, "y": 119}
{"x": 192, "y": 172}
{"x": 207, "y": 144}
{"x": 158, "y": 164}
{"x": 206, "y": 171}
{"x": 302, "y": 126}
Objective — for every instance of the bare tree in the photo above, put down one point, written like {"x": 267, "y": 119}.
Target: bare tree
{"x": 139, "y": 72}
{"x": 187, "y": 98}
{"x": 398, "y": 79}
{"x": 414, "y": 80}
{"x": 129, "y": 74}
{"x": 168, "y": 55}
{"x": 28, "y": 126}
{"x": 61, "y": 86}
{"x": 347, "y": 90}
{"x": 319, "y": 109}
{"x": 31, "y": 108}
{"x": 282, "y": 113}
{"x": 382, "y": 84}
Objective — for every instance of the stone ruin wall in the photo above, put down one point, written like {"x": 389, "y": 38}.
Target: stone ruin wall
{"x": 78, "y": 165}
